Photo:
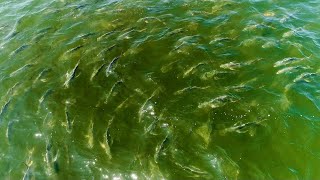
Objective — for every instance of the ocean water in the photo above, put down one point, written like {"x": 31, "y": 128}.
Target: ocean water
{"x": 159, "y": 89}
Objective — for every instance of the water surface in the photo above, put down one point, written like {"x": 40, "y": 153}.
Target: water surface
{"x": 159, "y": 89}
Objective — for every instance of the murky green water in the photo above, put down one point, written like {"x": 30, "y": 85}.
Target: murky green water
{"x": 183, "y": 89}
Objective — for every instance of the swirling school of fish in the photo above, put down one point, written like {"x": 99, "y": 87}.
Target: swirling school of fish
{"x": 159, "y": 89}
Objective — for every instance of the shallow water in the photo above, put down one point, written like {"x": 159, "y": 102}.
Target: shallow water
{"x": 159, "y": 89}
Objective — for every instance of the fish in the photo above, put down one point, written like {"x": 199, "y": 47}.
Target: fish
{"x": 105, "y": 34}
{"x": 20, "y": 70}
{"x": 217, "y": 102}
{"x": 41, "y": 74}
{"x": 122, "y": 104}
{"x": 154, "y": 123}
{"x": 44, "y": 30}
{"x": 142, "y": 108}
{"x": 287, "y": 70}
{"x": 168, "y": 67}
{"x": 194, "y": 170}
{"x": 11, "y": 35}
{"x": 126, "y": 34}
{"x": 305, "y": 77}
{"x": 176, "y": 31}
{"x": 44, "y": 96}
{"x": 89, "y": 136}
{"x": 9, "y": 129}
{"x": 80, "y": 6}
{"x": 84, "y": 36}
{"x": 221, "y": 39}
{"x": 189, "y": 89}
{"x": 38, "y": 37}
{"x": 106, "y": 144}
{"x": 112, "y": 90}
{"x": 68, "y": 121}
{"x": 75, "y": 49}
{"x": 20, "y": 49}
{"x": 147, "y": 19}
{"x": 48, "y": 156}
{"x": 241, "y": 128}
{"x": 190, "y": 70}
{"x": 11, "y": 91}
{"x": 231, "y": 66}
{"x": 161, "y": 147}
{"x": 97, "y": 71}
{"x": 40, "y": 34}
{"x": 70, "y": 76}
{"x": 56, "y": 166}
{"x": 239, "y": 88}
{"x": 107, "y": 49}
{"x": 28, "y": 173}
{"x": 4, "y": 109}
{"x": 286, "y": 61}
{"x": 112, "y": 66}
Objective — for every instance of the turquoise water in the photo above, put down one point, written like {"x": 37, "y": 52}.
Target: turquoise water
{"x": 159, "y": 89}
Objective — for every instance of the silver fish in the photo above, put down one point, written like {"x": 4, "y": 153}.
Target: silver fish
{"x": 75, "y": 49}
{"x": 112, "y": 66}
{"x": 9, "y": 129}
{"x": 23, "y": 68}
{"x": 96, "y": 71}
{"x": 20, "y": 49}
{"x": 4, "y": 109}
{"x": 241, "y": 128}
{"x": 70, "y": 76}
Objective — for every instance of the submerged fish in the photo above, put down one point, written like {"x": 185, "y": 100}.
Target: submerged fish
{"x": 84, "y": 36}
{"x": 142, "y": 109}
{"x": 41, "y": 74}
{"x": 20, "y": 49}
{"x": 217, "y": 102}
{"x": 161, "y": 147}
{"x": 176, "y": 31}
{"x": 4, "y": 109}
{"x": 291, "y": 69}
{"x": 231, "y": 66}
{"x": 75, "y": 49}
{"x": 105, "y": 34}
{"x": 287, "y": 61}
{"x": 106, "y": 144}
{"x": 96, "y": 71}
{"x": 107, "y": 50}
{"x": 147, "y": 19}
{"x": 192, "y": 69}
{"x": 241, "y": 128}
{"x": 71, "y": 75}
{"x": 189, "y": 89}
{"x": 89, "y": 135}
{"x": 56, "y": 166}
{"x": 9, "y": 129}
{"x": 115, "y": 85}
{"x": 112, "y": 66}
{"x": 23, "y": 68}
{"x": 44, "y": 96}
{"x": 68, "y": 121}
{"x": 28, "y": 173}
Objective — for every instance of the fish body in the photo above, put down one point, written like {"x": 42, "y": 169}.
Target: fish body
{"x": 4, "y": 109}
{"x": 70, "y": 76}
{"x": 20, "y": 49}
{"x": 112, "y": 66}
{"x": 75, "y": 49}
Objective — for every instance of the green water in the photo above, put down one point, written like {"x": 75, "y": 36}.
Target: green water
{"x": 185, "y": 89}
